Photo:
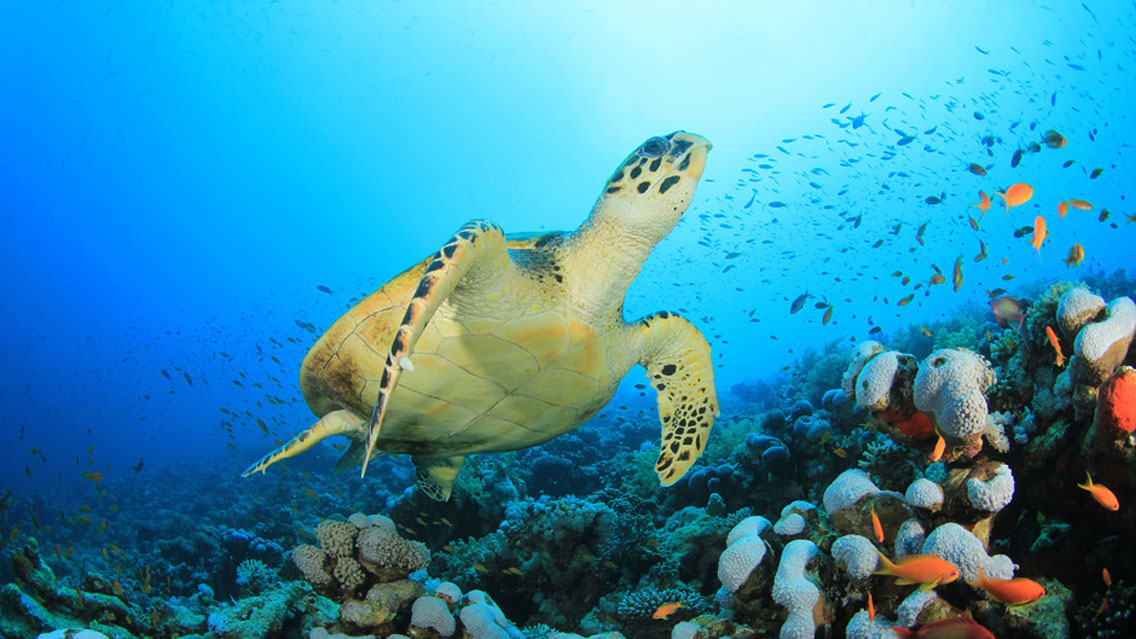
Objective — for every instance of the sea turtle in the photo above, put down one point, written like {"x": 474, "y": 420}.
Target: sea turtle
{"x": 498, "y": 343}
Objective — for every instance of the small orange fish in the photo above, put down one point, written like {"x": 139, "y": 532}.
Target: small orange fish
{"x": 1039, "y": 235}
{"x": 311, "y": 493}
{"x": 1076, "y": 256}
{"x": 871, "y": 608}
{"x": 1103, "y": 606}
{"x": 927, "y": 570}
{"x": 877, "y": 528}
{"x": 1062, "y": 209}
{"x": 1014, "y": 592}
{"x": 1016, "y": 195}
{"x": 1107, "y": 577}
{"x": 118, "y": 589}
{"x": 1056, "y": 346}
{"x": 667, "y": 609}
{"x": 1081, "y": 204}
{"x": 93, "y": 476}
{"x": 983, "y": 203}
{"x": 840, "y": 452}
{"x": 940, "y": 448}
{"x": 1102, "y": 494}
{"x": 905, "y": 301}
{"x": 973, "y": 222}
{"x": 827, "y": 315}
{"x": 481, "y": 569}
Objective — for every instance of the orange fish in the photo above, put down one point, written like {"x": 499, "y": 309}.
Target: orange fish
{"x": 93, "y": 476}
{"x": 1039, "y": 235}
{"x": 667, "y": 610}
{"x": 871, "y": 608}
{"x": 1056, "y": 346}
{"x": 1076, "y": 256}
{"x": 1081, "y": 204}
{"x": 1103, "y": 495}
{"x": 927, "y": 570}
{"x": 1016, "y": 195}
{"x": 953, "y": 628}
{"x": 983, "y": 203}
{"x": 1062, "y": 209}
{"x": 1107, "y": 577}
{"x": 876, "y": 526}
{"x": 1014, "y": 592}
{"x": 940, "y": 448}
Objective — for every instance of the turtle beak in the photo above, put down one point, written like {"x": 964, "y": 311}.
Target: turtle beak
{"x": 693, "y": 165}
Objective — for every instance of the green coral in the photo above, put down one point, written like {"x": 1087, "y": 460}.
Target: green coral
{"x": 1044, "y": 313}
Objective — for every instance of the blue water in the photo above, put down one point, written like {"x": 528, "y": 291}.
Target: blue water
{"x": 178, "y": 178}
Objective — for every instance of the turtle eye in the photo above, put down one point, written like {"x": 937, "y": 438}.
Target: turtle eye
{"x": 654, "y": 147}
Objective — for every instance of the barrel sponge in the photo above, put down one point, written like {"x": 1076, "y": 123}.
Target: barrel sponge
{"x": 753, "y": 524}
{"x": 480, "y": 621}
{"x": 348, "y": 573}
{"x": 337, "y": 538}
{"x": 1101, "y": 346}
{"x": 848, "y": 488}
{"x": 874, "y": 383}
{"x": 993, "y": 494}
{"x": 739, "y": 559}
{"x": 312, "y": 562}
{"x": 949, "y": 389}
{"x": 924, "y": 493}
{"x": 909, "y": 538}
{"x": 432, "y": 612}
{"x": 449, "y": 591}
{"x": 789, "y": 525}
{"x": 383, "y": 521}
{"x": 959, "y": 546}
{"x": 862, "y": 626}
{"x": 857, "y": 554}
{"x": 359, "y": 520}
{"x": 793, "y": 590}
{"x": 390, "y": 556}
{"x": 910, "y": 608}
{"x": 685, "y": 630}
{"x": 864, "y": 352}
{"x": 1077, "y": 307}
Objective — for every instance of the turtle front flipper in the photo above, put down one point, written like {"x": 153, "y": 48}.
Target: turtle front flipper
{"x": 340, "y": 422}
{"x": 679, "y": 366}
{"x": 477, "y": 255}
{"x": 436, "y": 475}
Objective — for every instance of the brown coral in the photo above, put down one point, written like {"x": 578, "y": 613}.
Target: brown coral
{"x": 389, "y": 556}
{"x": 348, "y": 573}
{"x": 312, "y": 562}
{"x": 337, "y": 538}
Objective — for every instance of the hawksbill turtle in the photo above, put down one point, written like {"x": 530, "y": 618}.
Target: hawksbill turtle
{"x": 498, "y": 343}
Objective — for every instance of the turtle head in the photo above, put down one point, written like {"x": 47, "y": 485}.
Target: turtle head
{"x": 649, "y": 192}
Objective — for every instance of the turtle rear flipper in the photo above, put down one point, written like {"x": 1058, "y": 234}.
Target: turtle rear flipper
{"x": 680, "y": 368}
{"x": 436, "y": 475}
{"x": 477, "y": 255}
{"x": 340, "y": 422}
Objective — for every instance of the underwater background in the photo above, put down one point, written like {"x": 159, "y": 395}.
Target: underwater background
{"x": 194, "y": 192}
